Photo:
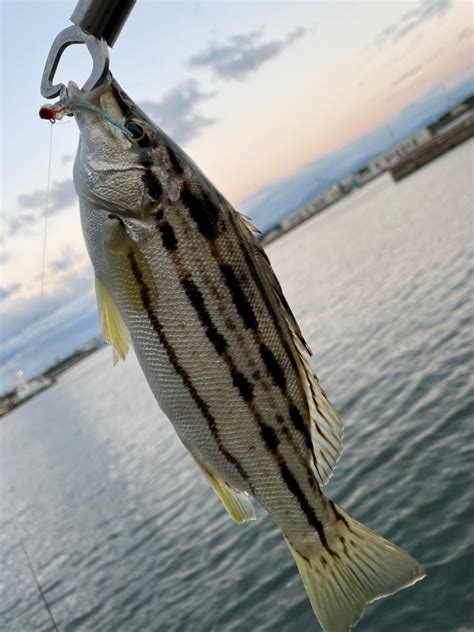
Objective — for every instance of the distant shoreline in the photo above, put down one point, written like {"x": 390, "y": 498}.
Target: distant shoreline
{"x": 26, "y": 391}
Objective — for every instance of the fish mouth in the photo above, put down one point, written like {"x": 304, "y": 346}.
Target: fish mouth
{"x": 73, "y": 90}
{"x": 93, "y": 95}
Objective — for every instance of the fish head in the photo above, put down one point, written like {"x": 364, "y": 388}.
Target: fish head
{"x": 120, "y": 161}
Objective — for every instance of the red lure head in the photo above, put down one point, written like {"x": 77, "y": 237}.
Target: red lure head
{"x": 48, "y": 112}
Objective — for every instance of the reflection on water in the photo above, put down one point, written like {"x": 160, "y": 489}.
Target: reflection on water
{"x": 123, "y": 531}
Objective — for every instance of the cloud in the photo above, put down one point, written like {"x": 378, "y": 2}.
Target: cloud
{"x": 50, "y": 330}
{"x": 176, "y": 111}
{"x": 30, "y": 321}
{"x": 69, "y": 258}
{"x": 19, "y": 221}
{"x": 4, "y": 257}
{"x": 406, "y": 75}
{"x": 7, "y": 291}
{"x": 32, "y": 205}
{"x": 242, "y": 54}
{"x": 61, "y": 194}
{"x": 411, "y": 20}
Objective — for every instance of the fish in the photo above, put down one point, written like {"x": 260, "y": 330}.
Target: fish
{"x": 181, "y": 276}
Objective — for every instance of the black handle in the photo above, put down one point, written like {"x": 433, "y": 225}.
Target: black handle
{"x": 103, "y": 19}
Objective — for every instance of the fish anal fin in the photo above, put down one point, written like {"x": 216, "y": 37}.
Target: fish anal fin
{"x": 238, "y": 504}
{"x": 113, "y": 328}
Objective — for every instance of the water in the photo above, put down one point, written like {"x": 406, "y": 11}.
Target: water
{"x": 126, "y": 536}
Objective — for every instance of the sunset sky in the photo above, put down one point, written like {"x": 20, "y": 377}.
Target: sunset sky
{"x": 253, "y": 92}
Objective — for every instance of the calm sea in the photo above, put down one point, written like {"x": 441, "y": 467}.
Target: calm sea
{"x": 122, "y": 530}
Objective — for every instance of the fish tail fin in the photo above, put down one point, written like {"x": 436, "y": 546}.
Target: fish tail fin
{"x": 357, "y": 567}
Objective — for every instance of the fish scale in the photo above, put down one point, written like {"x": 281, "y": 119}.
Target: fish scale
{"x": 242, "y": 347}
{"x": 180, "y": 274}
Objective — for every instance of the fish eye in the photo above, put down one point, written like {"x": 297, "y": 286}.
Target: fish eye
{"x": 136, "y": 131}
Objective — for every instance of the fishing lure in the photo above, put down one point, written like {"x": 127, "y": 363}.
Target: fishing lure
{"x": 68, "y": 105}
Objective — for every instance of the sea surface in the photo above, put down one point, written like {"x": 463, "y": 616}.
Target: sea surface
{"x": 125, "y": 535}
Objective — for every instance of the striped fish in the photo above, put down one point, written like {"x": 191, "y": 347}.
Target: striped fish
{"x": 180, "y": 273}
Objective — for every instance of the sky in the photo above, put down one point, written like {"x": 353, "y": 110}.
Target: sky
{"x": 260, "y": 94}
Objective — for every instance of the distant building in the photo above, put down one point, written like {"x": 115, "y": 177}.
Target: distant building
{"x": 402, "y": 152}
{"x": 29, "y": 389}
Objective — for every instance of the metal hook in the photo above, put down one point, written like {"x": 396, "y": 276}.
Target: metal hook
{"x": 74, "y": 35}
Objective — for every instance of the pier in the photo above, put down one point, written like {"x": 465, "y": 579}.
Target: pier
{"x": 442, "y": 142}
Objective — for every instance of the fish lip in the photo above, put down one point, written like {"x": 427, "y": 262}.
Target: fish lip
{"x": 73, "y": 90}
{"x": 93, "y": 95}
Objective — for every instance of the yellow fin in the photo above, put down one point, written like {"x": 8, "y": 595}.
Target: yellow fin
{"x": 113, "y": 328}
{"x": 357, "y": 567}
{"x": 237, "y": 503}
{"x": 131, "y": 276}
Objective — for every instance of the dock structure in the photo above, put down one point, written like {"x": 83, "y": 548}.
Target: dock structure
{"x": 443, "y": 141}
{"x": 409, "y": 154}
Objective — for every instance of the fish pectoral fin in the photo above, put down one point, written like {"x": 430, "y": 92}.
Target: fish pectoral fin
{"x": 238, "y": 504}
{"x": 113, "y": 328}
{"x": 356, "y": 567}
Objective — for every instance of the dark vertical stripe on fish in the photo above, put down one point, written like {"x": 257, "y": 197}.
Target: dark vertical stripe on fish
{"x": 200, "y": 403}
{"x": 197, "y": 301}
{"x": 241, "y": 382}
{"x": 168, "y": 236}
{"x": 300, "y": 425}
{"x": 152, "y": 184}
{"x": 270, "y": 438}
{"x": 296, "y": 490}
{"x": 177, "y": 168}
{"x": 272, "y": 442}
{"x": 239, "y": 299}
{"x": 203, "y": 211}
{"x": 273, "y": 367}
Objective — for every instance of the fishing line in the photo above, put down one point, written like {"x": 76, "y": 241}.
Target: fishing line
{"x": 40, "y": 590}
{"x": 46, "y": 213}
{"x": 54, "y": 112}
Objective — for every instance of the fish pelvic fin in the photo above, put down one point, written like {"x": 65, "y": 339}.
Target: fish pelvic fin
{"x": 357, "y": 567}
{"x": 113, "y": 328}
{"x": 237, "y": 503}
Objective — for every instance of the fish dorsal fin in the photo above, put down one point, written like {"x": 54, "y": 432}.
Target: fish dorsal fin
{"x": 237, "y": 503}
{"x": 113, "y": 328}
{"x": 247, "y": 222}
{"x": 325, "y": 425}
{"x": 264, "y": 266}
